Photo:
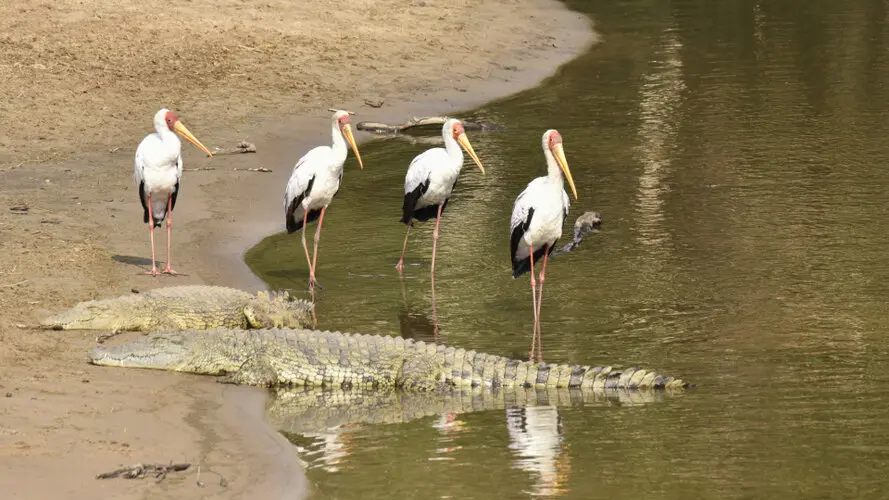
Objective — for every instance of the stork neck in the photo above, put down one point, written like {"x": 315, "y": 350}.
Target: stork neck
{"x": 169, "y": 139}
{"x": 339, "y": 144}
{"x": 554, "y": 173}
{"x": 455, "y": 152}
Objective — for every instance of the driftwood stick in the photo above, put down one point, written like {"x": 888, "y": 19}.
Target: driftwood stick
{"x": 384, "y": 128}
{"x": 588, "y": 222}
{"x": 10, "y": 285}
{"x": 139, "y": 471}
{"x": 242, "y": 147}
{"x": 222, "y": 481}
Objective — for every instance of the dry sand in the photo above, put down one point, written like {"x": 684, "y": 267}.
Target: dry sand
{"x": 81, "y": 81}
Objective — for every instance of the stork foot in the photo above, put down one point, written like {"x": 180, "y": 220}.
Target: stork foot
{"x": 153, "y": 272}
{"x": 169, "y": 270}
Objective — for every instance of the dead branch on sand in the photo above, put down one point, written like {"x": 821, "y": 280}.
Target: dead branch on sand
{"x": 222, "y": 481}
{"x": 10, "y": 285}
{"x": 236, "y": 169}
{"x": 139, "y": 471}
{"x": 242, "y": 147}
{"x": 383, "y": 128}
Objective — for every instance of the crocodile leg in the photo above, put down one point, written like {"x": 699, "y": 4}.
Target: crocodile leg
{"x": 400, "y": 265}
{"x": 540, "y": 303}
{"x": 435, "y": 237}
{"x": 168, "y": 269}
{"x": 533, "y": 301}
{"x": 315, "y": 252}
{"x": 153, "y": 271}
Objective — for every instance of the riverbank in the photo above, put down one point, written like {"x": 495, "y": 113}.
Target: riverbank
{"x": 88, "y": 77}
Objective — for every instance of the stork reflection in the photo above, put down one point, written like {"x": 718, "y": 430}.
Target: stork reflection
{"x": 535, "y": 436}
{"x": 414, "y": 325}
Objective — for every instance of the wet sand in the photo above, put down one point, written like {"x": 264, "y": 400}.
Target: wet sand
{"x": 81, "y": 237}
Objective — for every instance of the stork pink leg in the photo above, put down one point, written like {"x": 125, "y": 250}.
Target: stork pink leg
{"x": 315, "y": 251}
{"x": 400, "y": 265}
{"x": 533, "y": 302}
{"x": 168, "y": 269}
{"x": 435, "y": 237}
{"x": 434, "y": 313}
{"x": 539, "y": 304}
{"x": 153, "y": 271}
{"x": 306, "y": 248}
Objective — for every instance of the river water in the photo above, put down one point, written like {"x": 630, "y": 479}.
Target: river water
{"x": 737, "y": 153}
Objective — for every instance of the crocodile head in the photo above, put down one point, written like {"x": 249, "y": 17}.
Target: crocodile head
{"x": 277, "y": 310}
{"x": 97, "y": 315}
{"x": 192, "y": 352}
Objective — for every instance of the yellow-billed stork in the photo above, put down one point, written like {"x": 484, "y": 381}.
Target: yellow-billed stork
{"x": 431, "y": 178}
{"x": 537, "y": 218}
{"x": 157, "y": 172}
{"x": 315, "y": 181}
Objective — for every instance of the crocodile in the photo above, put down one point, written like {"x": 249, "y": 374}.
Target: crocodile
{"x": 305, "y": 411}
{"x": 334, "y": 360}
{"x": 186, "y": 307}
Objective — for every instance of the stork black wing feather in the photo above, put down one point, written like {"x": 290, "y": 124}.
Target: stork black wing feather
{"x": 408, "y": 209}
{"x": 293, "y": 224}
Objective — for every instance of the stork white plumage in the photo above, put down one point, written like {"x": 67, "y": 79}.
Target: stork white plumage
{"x": 537, "y": 218}
{"x": 315, "y": 181}
{"x": 431, "y": 178}
{"x": 157, "y": 171}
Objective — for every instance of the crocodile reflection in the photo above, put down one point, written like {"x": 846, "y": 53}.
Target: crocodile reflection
{"x": 324, "y": 424}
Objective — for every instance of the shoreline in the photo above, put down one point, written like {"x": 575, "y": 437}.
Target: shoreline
{"x": 163, "y": 416}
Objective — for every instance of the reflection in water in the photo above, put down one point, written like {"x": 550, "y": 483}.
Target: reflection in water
{"x": 535, "y": 433}
{"x": 328, "y": 449}
{"x": 450, "y": 426}
{"x": 660, "y": 96}
{"x": 316, "y": 411}
{"x": 417, "y": 326}
{"x": 332, "y": 429}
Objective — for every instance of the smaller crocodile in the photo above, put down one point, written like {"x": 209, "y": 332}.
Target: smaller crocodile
{"x": 196, "y": 307}
{"x": 331, "y": 360}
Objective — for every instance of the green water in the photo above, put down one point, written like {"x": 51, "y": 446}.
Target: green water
{"x": 736, "y": 151}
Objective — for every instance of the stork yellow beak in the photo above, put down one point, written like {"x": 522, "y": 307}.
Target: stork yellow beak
{"x": 181, "y": 130}
{"x": 559, "y": 153}
{"x": 347, "y": 133}
{"x": 463, "y": 141}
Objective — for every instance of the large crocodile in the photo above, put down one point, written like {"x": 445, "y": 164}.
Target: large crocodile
{"x": 186, "y": 307}
{"x": 312, "y": 358}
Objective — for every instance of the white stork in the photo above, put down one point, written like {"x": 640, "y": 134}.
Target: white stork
{"x": 315, "y": 181}
{"x": 157, "y": 172}
{"x": 430, "y": 180}
{"x": 537, "y": 218}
